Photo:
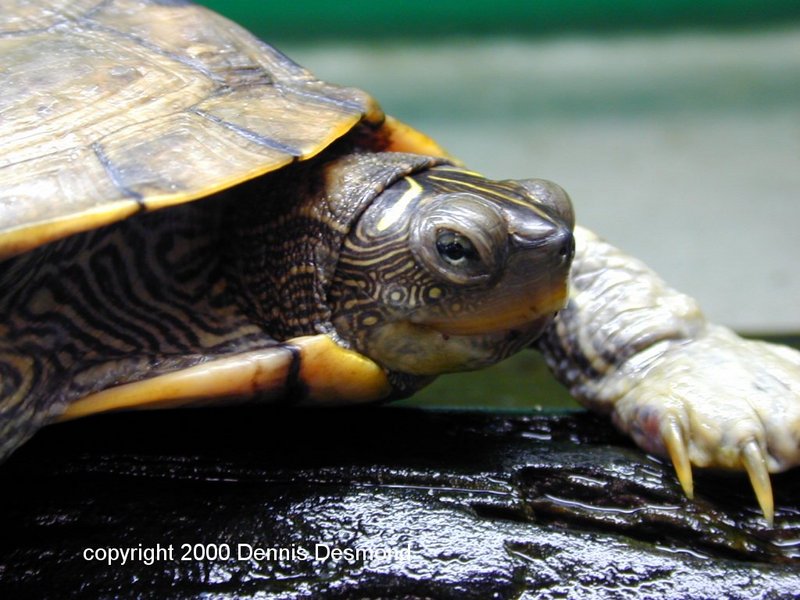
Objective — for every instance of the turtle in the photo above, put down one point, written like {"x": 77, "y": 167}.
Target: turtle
{"x": 187, "y": 217}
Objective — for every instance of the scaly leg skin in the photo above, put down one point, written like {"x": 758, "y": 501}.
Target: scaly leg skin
{"x": 629, "y": 345}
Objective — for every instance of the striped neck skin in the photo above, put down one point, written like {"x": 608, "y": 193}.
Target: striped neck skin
{"x": 288, "y": 229}
{"x": 448, "y": 271}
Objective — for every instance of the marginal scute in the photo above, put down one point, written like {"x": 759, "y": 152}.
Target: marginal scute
{"x": 403, "y": 138}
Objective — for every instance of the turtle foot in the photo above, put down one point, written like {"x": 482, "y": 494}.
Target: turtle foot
{"x": 715, "y": 401}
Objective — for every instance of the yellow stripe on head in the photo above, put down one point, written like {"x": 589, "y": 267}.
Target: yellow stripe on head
{"x": 391, "y": 216}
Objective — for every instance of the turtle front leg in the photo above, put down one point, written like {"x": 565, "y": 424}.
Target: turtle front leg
{"x": 629, "y": 345}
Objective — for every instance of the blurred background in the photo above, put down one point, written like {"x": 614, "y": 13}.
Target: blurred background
{"x": 674, "y": 126}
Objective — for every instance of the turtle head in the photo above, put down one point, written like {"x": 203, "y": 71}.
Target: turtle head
{"x": 448, "y": 271}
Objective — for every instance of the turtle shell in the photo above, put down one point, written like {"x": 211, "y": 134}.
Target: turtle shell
{"x": 113, "y": 108}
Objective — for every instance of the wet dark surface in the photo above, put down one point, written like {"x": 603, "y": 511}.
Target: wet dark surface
{"x": 451, "y": 505}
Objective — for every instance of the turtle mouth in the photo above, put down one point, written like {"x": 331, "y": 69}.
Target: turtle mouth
{"x": 470, "y": 339}
{"x": 503, "y": 315}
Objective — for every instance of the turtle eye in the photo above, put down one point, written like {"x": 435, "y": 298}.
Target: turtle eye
{"x": 460, "y": 239}
{"x": 455, "y": 248}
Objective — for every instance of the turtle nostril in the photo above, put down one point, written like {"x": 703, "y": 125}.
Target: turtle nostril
{"x": 567, "y": 249}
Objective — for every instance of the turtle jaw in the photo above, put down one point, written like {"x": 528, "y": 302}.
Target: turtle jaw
{"x": 491, "y": 332}
{"x": 504, "y": 314}
{"x": 423, "y": 350}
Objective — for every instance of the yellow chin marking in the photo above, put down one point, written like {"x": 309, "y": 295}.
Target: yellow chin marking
{"x": 328, "y": 372}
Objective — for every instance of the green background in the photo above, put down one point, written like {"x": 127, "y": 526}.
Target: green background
{"x": 325, "y": 19}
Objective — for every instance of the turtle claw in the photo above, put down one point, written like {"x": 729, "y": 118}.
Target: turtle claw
{"x": 676, "y": 447}
{"x": 755, "y": 463}
{"x": 629, "y": 346}
{"x": 753, "y": 460}
{"x": 715, "y": 401}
